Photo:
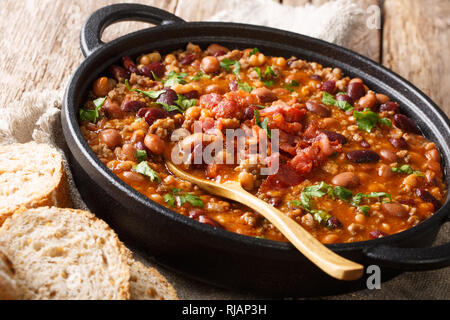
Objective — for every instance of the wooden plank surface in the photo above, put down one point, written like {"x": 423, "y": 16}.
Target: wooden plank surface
{"x": 416, "y": 44}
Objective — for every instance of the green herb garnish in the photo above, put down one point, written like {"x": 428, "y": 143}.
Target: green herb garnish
{"x": 183, "y": 198}
{"x": 291, "y": 85}
{"x": 367, "y": 119}
{"x": 265, "y": 78}
{"x": 227, "y": 63}
{"x": 406, "y": 169}
{"x": 254, "y": 51}
{"x": 150, "y": 93}
{"x": 174, "y": 78}
{"x": 244, "y": 86}
{"x": 144, "y": 169}
{"x": 329, "y": 100}
{"x": 264, "y": 124}
{"x": 140, "y": 155}
{"x": 92, "y": 115}
{"x": 198, "y": 76}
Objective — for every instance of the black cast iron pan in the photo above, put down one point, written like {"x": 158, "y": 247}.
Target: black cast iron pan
{"x": 217, "y": 256}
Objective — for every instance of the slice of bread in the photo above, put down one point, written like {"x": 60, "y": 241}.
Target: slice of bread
{"x": 146, "y": 283}
{"x": 8, "y": 287}
{"x": 31, "y": 175}
{"x": 65, "y": 254}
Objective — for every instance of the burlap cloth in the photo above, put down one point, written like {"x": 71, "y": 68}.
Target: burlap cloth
{"x": 38, "y": 119}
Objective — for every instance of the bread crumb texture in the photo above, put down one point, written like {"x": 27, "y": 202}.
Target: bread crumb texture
{"x": 31, "y": 175}
{"x": 65, "y": 254}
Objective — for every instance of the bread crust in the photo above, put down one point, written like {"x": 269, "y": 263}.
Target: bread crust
{"x": 123, "y": 286}
{"x": 57, "y": 196}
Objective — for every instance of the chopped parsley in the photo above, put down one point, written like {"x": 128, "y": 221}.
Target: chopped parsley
{"x": 264, "y": 124}
{"x": 182, "y": 198}
{"x": 144, "y": 169}
{"x": 174, "y": 78}
{"x": 254, "y": 51}
{"x": 92, "y": 115}
{"x": 329, "y": 100}
{"x": 406, "y": 169}
{"x": 244, "y": 86}
{"x": 140, "y": 155}
{"x": 150, "y": 93}
{"x": 180, "y": 105}
{"x": 227, "y": 63}
{"x": 291, "y": 85}
{"x": 267, "y": 76}
{"x": 322, "y": 189}
{"x": 198, "y": 76}
{"x": 367, "y": 119}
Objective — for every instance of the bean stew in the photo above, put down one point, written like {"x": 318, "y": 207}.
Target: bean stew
{"x": 349, "y": 166}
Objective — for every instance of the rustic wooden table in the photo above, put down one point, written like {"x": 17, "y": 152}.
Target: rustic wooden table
{"x": 40, "y": 50}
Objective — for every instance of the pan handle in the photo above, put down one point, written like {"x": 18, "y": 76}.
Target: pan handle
{"x": 410, "y": 259}
{"x": 97, "y": 22}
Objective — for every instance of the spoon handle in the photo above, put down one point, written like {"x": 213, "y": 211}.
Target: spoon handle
{"x": 331, "y": 263}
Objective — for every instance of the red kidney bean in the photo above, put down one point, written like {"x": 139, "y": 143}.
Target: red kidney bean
{"x": 129, "y": 65}
{"x": 168, "y": 97}
{"x": 344, "y": 97}
{"x": 406, "y": 124}
{"x": 318, "y": 108}
{"x": 329, "y": 86}
{"x": 195, "y": 213}
{"x": 156, "y": 67}
{"x": 334, "y": 136}
{"x": 209, "y": 221}
{"x": 389, "y": 106}
{"x": 399, "y": 143}
{"x": 192, "y": 94}
{"x": 133, "y": 106}
{"x": 363, "y": 156}
{"x": 377, "y": 234}
{"x": 315, "y": 77}
{"x": 249, "y": 112}
{"x": 154, "y": 114}
{"x": 275, "y": 202}
{"x": 187, "y": 59}
{"x": 141, "y": 113}
{"x": 356, "y": 90}
{"x": 333, "y": 223}
{"x": 233, "y": 85}
{"x": 119, "y": 73}
{"x": 409, "y": 202}
{"x": 364, "y": 144}
{"x": 428, "y": 197}
{"x": 219, "y": 53}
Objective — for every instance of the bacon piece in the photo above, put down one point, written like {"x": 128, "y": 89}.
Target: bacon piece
{"x": 290, "y": 113}
{"x": 285, "y": 177}
{"x": 226, "y": 109}
{"x": 210, "y": 100}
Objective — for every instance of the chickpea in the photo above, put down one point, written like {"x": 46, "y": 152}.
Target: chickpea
{"x": 138, "y": 136}
{"x": 129, "y": 151}
{"x": 111, "y": 138}
{"x": 360, "y": 218}
{"x": 102, "y": 86}
{"x": 149, "y": 58}
{"x": 193, "y": 113}
{"x": 280, "y": 62}
{"x": 247, "y": 180}
{"x": 257, "y": 60}
{"x": 154, "y": 143}
{"x": 205, "y": 113}
{"x": 169, "y": 59}
{"x": 210, "y": 64}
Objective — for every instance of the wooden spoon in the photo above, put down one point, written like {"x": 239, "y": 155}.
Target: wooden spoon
{"x": 331, "y": 263}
